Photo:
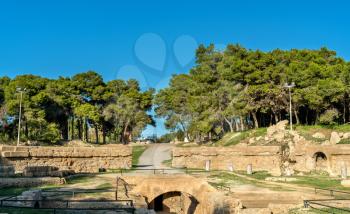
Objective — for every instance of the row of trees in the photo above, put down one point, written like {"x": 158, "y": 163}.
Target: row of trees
{"x": 237, "y": 89}
{"x": 82, "y": 107}
{"x": 231, "y": 90}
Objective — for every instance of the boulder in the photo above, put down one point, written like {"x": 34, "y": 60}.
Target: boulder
{"x": 319, "y": 135}
{"x": 280, "y": 126}
{"x": 346, "y": 135}
{"x": 251, "y": 141}
{"x": 335, "y": 138}
{"x": 279, "y": 136}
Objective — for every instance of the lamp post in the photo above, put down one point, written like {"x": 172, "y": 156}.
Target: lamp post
{"x": 20, "y": 90}
{"x": 286, "y": 85}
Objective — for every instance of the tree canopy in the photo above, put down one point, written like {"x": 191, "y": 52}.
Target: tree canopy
{"x": 237, "y": 89}
{"x": 72, "y": 108}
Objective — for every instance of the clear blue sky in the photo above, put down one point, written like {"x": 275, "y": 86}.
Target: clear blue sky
{"x": 150, "y": 40}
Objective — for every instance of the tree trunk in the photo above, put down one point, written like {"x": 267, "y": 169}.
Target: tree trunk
{"x": 96, "y": 134}
{"x": 344, "y": 112}
{"x": 296, "y": 116}
{"x": 86, "y": 131}
{"x": 72, "y": 128}
{"x": 242, "y": 123}
{"x": 276, "y": 117}
{"x": 237, "y": 126}
{"x": 230, "y": 123}
{"x": 256, "y": 123}
{"x": 80, "y": 136}
{"x": 103, "y": 134}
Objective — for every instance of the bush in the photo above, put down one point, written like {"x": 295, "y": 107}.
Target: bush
{"x": 329, "y": 117}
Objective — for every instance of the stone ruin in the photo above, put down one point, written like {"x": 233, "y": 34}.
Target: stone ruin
{"x": 279, "y": 152}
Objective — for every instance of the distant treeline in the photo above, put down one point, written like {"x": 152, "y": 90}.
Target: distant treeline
{"x": 231, "y": 90}
{"x": 237, "y": 89}
{"x": 71, "y": 108}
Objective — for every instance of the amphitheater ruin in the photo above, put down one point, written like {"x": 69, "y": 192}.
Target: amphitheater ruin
{"x": 172, "y": 189}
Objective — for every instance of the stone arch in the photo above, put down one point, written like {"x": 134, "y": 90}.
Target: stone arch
{"x": 174, "y": 202}
{"x": 321, "y": 161}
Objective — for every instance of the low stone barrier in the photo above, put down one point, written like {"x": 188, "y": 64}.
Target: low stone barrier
{"x": 30, "y": 182}
{"x": 261, "y": 158}
{"x": 79, "y": 159}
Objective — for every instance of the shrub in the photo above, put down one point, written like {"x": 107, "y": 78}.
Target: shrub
{"x": 329, "y": 117}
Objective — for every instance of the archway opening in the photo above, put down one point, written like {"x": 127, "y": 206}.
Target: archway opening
{"x": 320, "y": 161}
{"x": 174, "y": 202}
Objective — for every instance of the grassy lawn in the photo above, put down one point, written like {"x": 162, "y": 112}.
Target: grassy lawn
{"x": 136, "y": 153}
{"x": 25, "y": 211}
{"x": 80, "y": 179}
{"x": 228, "y": 179}
{"x": 308, "y": 131}
{"x": 234, "y": 138}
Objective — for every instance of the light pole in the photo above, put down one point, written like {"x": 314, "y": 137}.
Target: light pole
{"x": 286, "y": 85}
{"x": 20, "y": 113}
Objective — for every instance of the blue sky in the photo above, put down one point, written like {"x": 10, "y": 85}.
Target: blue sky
{"x": 150, "y": 40}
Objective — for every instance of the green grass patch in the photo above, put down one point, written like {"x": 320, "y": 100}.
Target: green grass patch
{"x": 136, "y": 153}
{"x": 234, "y": 138}
{"x": 344, "y": 141}
{"x": 25, "y": 211}
{"x": 8, "y": 191}
{"x": 80, "y": 179}
{"x": 226, "y": 179}
{"x": 168, "y": 162}
{"x": 105, "y": 186}
{"x": 308, "y": 131}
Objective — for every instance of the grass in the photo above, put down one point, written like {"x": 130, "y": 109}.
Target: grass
{"x": 308, "y": 131}
{"x": 225, "y": 179}
{"x": 344, "y": 141}
{"x": 80, "y": 179}
{"x": 104, "y": 186}
{"x": 233, "y": 138}
{"x": 319, "y": 181}
{"x": 136, "y": 153}
{"x": 25, "y": 211}
{"x": 168, "y": 162}
{"x": 8, "y": 191}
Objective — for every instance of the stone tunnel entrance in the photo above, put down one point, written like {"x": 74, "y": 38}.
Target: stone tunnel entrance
{"x": 174, "y": 202}
{"x": 320, "y": 161}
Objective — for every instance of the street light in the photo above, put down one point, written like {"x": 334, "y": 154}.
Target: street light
{"x": 20, "y": 90}
{"x": 286, "y": 85}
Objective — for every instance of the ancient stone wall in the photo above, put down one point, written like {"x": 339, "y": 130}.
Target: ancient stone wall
{"x": 330, "y": 158}
{"x": 79, "y": 159}
{"x": 262, "y": 158}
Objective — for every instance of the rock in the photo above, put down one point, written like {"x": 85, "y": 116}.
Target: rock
{"x": 346, "y": 135}
{"x": 251, "y": 141}
{"x": 266, "y": 138}
{"x": 279, "y": 137}
{"x": 258, "y": 138}
{"x": 280, "y": 126}
{"x": 334, "y": 138}
{"x": 319, "y": 135}
{"x": 341, "y": 134}
{"x": 326, "y": 142}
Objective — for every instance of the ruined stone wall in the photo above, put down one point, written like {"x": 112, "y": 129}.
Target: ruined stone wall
{"x": 79, "y": 159}
{"x": 337, "y": 156}
{"x": 262, "y": 158}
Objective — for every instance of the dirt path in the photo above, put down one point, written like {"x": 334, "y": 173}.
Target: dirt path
{"x": 154, "y": 156}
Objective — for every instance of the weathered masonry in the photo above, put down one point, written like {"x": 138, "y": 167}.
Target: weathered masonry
{"x": 262, "y": 158}
{"x": 78, "y": 159}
